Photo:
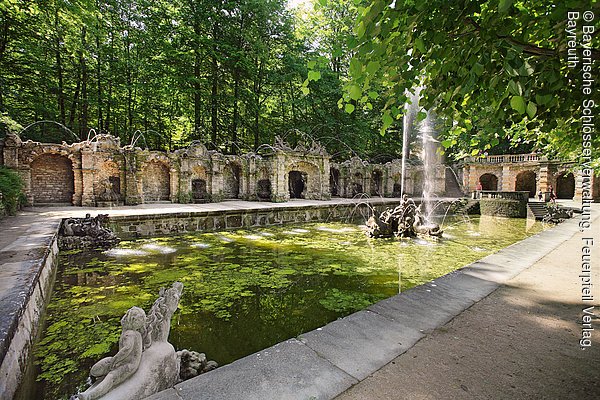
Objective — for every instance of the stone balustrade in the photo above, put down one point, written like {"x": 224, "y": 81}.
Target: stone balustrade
{"x": 506, "y": 158}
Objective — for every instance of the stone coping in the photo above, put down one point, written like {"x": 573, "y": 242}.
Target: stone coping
{"x": 323, "y": 363}
{"x": 26, "y": 274}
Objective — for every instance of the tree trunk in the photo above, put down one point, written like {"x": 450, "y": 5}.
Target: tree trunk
{"x": 257, "y": 92}
{"x": 236, "y": 111}
{"x": 129, "y": 126}
{"x": 214, "y": 101}
{"x": 76, "y": 93}
{"x": 59, "y": 71}
{"x": 83, "y": 120}
{"x": 109, "y": 96}
{"x": 196, "y": 85}
{"x": 99, "y": 79}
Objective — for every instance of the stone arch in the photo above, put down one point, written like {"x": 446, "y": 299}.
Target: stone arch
{"x": 107, "y": 182}
{"x": 357, "y": 184}
{"x": 418, "y": 183}
{"x": 232, "y": 174}
{"x": 263, "y": 185}
{"x": 198, "y": 184}
{"x": 334, "y": 181}
{"x": 303, "y": 180}
{"x": 297, "y": 181}
{"x": 565, "y": 185}
{"x": 525, "y": 181}
{"x": 396, "y": 185}
{"x": 156, "y": 181}
{"x": 377, "y": 183}
{"x": 488, "y": 181}
{"x": 52, "y": 179}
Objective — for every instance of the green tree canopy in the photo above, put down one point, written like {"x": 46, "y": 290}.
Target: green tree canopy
{"x": 496, "y": 70}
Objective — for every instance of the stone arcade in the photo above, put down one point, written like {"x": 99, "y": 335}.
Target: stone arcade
{"x": 103, "y": 173}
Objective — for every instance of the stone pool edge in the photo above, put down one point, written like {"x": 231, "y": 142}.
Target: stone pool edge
{"x": 325, "y": 362}
{"x": 28, "y": 265}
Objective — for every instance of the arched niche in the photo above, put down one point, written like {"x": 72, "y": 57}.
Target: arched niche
{"x": 52, "y": 179}
{"x": 156, "y": 181}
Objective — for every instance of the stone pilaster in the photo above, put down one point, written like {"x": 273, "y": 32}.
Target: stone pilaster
{"x": 507, "y": 179}
{"x": 173, "y": 185}
{"x": 88, "y": 198}
{"x": 78, "y": 184}
{"x": 133, "y": 180}
{"x": 543, "y": 180}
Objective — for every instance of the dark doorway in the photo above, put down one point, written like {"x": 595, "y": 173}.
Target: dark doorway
{"x": 115, "y": 184}
{"x": 526, "y": 182}
{"x": 297, "y": 184}
{"x": 232, "y": 174}
{"x": 488, "y": 182}
{"x": 198, "y": 190}
{"x": 334, "y": 182}
{"x": 357, "y": 184}
{"x": 565, "y": 186}
{"x": 376, "y": 180}
{"x": 263, "y": 190}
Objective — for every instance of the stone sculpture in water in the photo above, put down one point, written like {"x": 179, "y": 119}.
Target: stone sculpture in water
{"x": 112, "y": 371}
{"x": 86, "y": 233}
{"x": 146, "y": 362}
{"x": 158, "y": 322}
{"x": 406, "y": 220}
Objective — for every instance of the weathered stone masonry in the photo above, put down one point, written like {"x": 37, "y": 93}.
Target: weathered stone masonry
{"x": 102, "y": 173}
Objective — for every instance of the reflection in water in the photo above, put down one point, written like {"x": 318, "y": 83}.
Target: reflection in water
{"x": 245, "y": 290}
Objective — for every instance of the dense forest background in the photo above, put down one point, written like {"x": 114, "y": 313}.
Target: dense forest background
{"x": 231, "y": 74}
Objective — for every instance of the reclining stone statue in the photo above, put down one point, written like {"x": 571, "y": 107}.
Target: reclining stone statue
{"x": 146, "y": 362}
{"x": 112, "y": 371}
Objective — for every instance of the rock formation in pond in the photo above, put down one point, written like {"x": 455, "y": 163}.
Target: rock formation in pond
{"x": 193, "y": 364}
{"x": 86, "y": 233}
{"x": 406, "y": 220}
{"x": 146, "y": 362}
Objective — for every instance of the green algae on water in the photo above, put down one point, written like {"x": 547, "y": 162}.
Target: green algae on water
{"x": 244, "y": 290}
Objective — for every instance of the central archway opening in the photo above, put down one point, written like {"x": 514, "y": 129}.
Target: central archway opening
{"x": 334, "y": 181}
{"x": 526, "y": 182}
{"x": 357, "y": 184}
{"x": 377, "y": 180}
{"x": 488, "y": 182}
{"x": 198, "y": 190}
{"x": 565, "y": 186}
{"x": 156, "y": 182}
{"x": 297, "y": 184}
{"x": 232, "y": 175}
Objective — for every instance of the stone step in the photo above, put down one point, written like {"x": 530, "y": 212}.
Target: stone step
{"x": 538, "y": 209}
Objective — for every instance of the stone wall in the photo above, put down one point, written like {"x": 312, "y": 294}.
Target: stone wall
{"x": 102, "y": 173}
{"x": 127, "y": 227}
